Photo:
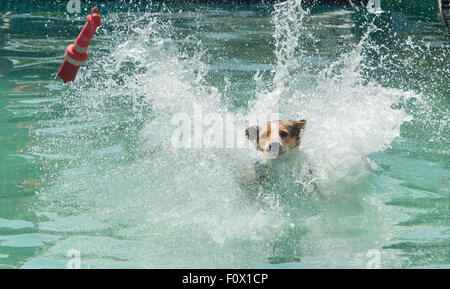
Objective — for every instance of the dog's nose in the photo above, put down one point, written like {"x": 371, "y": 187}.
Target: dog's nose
{"x": 274, "y": 147}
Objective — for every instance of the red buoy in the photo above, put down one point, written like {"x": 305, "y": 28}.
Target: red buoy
{"x": 76, "y": 53}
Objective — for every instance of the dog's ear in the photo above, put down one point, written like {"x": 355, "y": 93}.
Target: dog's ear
{"x": 296, "y": 127}
{"x": 252, "y": 133}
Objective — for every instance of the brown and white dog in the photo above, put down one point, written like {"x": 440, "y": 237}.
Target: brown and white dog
{"x": 276, "y": 137}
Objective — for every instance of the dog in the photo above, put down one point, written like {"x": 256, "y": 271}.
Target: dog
{"x": 275, "y": 139}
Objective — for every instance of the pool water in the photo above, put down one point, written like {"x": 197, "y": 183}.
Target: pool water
{"x": 90, "y": 178}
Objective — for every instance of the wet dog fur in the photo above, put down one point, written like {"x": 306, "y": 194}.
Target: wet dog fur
{"x": 274, "y": 139}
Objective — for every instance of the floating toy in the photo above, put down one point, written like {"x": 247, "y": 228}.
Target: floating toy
{"x": 76, "y": 53}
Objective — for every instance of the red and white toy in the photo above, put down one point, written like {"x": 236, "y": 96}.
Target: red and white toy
{"x": 76, "y": 53}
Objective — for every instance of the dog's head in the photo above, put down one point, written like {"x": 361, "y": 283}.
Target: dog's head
{"x": 276, "y": 137}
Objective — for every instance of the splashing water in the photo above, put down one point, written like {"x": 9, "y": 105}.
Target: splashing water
{"x": 190, "y": 195}
{"x": 348, "y": 118}
{"x": 160, "y": 206}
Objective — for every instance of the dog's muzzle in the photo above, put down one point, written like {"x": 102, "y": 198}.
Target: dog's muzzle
{"x": 274, "y": 149}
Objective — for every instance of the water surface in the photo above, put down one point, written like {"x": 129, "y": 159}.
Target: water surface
{"x": 89, "y": 166}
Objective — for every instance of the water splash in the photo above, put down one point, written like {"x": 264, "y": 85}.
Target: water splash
{"x": 116, "y": 164}
{"x": 132, "y": 94}
{"x": 348, "y": 117}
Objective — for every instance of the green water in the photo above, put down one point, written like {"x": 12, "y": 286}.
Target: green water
{"x": 89, "y": 166}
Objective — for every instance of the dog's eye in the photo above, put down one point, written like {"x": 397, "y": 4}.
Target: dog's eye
{"x": 283, "y": 134}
